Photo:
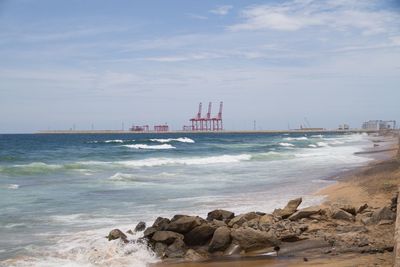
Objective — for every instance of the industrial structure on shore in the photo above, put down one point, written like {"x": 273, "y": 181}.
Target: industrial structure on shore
{"x": 379, "y": 125}
{"x": 207, "y": 123}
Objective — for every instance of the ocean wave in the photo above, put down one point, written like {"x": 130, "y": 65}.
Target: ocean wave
{"x": 286, "y": 145}
{"x": 180, "y": 139}
{"x": 312, "y": 145}
{"x": 322, "y": 144}
{"x": 156, "y": 147}
{"x": 117, "y": 141}
{"x": 151, "y": 162}
{"x": 296, "y": 138}
{"x": 31, "y": 168}
{"x": 317, "y": 136}
{"x": 122, "y": 177}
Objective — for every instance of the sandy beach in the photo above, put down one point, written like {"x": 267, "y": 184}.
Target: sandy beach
{"x": 374, "y": 185}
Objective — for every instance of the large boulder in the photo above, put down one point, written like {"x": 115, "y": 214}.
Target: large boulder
{"x": 148, "y": 233}
{"x": 159, "y": 248}
{"x": 240, "y": 219}
{"x": 140, "y": 227}
{"x": 349, "y": 209}
{"x": 304, "y": 213}
{"x": 340, "y": 214}
{"x": 384, "y": 213}
{"x": 161, "y": 223}
{"x": 176, "y": 249}
{"x": 251, "y": 239}
{"x": 199, "y": 235}
{"x": 192, "y": 255}
{"x": 220, "y": 215}
{"x": 116, "y": 234}
{"x": 184, "y": 224}
{"x": 220, "y": 240}
{"x": 289, "y": 209}
{"x": 267, "y": 219}
{"x": 166, "y": 237}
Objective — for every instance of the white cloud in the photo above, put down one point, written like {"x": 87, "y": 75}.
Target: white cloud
{"x": 222, "y": 10}
{"x": 299, "y": 14}
{"x": 196, "y": 16}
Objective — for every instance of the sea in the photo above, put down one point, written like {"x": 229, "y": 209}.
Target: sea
{"x": 60, "y": 195}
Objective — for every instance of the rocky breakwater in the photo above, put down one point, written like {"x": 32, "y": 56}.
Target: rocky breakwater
{"x": 326, "y": 229}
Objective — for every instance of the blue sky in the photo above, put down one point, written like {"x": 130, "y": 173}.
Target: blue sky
{"x": 149, "y": 62}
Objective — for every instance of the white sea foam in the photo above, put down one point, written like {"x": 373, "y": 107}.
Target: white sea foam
{"x": 111, "y": 141}
{"x": 151, "y": 162}
{"x": 286, "y": 144}
{"x": 89, "y": 249}
{"x": 13, "y": 186}
{"x": 322, "y": 144}
{"x": 317, "y": 136}
{"x": 181, "y": 139}
{"x": 312, "y": 145}
{"x": 156, "y": 147}
{"x": 296, "y": 138}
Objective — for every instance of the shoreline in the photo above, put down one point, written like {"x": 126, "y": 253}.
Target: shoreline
{"x": 355, "y": 187}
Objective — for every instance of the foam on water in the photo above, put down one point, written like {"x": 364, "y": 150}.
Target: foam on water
{"x": 180, "y": 139}
{"x": 296, "y": 138}
{"x": 111, "y": 141}
{"x": 286, "y": 144}
{"x": 155, "y": 147}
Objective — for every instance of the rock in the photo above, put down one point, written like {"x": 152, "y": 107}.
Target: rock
{"x": 362, "y": 208}
{"x": 116, "y": 234}
{"x": 220, "y": 240}
{"x": 159, "y": 249}
{"x": 176, "y": 249}
{"x": 304, "y": 213}
{"x": 287, "y": 236}
{"x": 166, "y": 237}
{"x": 290, "y": 208}
{"x": 218, "y": 223}
{"x": 161, "y": 223}
{"x": 385, "y": 222}
{"x": 148, "y": 233}
{"x": 192, "y": 255}
{"x": 340, "y": 214}
{"x": 267, "y": 219}
{"x": 240, "y": 219}
{"x": 393, "y": 201}
{"x": 349, "y": 209}
{"x": 233, "y": 249}
{"x": 384, "y": 213}
{"x": 220, "y": 215}
{"x": 129, "y": 232}
{"x": 250, "y": 239}
{"x": 140, "y": 227}
{"x": 184, "y": 224}
{"x": 199, "y": 235}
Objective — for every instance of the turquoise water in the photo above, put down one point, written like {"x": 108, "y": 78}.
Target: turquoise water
{"x": 60, "y": 194}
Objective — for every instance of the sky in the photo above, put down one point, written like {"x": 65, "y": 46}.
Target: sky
{"x": 99, "y": 64}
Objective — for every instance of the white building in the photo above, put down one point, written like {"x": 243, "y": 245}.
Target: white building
{"x": 378, "y": 125}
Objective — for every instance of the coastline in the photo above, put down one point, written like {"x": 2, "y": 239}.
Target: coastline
{"x": 374, "y": 184}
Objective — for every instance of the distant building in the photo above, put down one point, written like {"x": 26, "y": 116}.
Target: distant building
{"x": 344, "y": 127}
{"x": 379, "y": 125}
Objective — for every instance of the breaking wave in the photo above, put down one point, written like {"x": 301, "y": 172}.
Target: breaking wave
{"x": 116, "y": 141}
{"x": 156, "y": 147}
{"x": 167, "y": 140}
{"x": 296, "y": 138}
{"x": 286, "y": 144}
{"x": 151, "y": 162}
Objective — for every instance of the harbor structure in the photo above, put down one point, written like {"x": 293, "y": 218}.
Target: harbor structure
{"x": 207, "y": 123}
{"x": 379, "y": 125}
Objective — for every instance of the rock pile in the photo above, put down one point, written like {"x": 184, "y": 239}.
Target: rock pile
{"x": 336, "y": 228}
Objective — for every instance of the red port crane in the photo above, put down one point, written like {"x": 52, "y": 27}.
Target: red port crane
{"x": 196, "y": 121}
{"x": 208, "y": 119}
{"x": 217, "y": 121}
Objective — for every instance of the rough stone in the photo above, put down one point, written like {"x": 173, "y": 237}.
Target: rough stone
{"x": 220, "y": 240}
{"x": 192, "y": 255}
{"x": 199, "y": 235}
{"x": 362, "y": 208}
{"x": 384, "y": 213}
{"x": 304, "y": 213}
{"x": 176, "y": 249}
{"x": 250, "y": 239}
{"x": 289, "y": 209}
{"x": 184, "y": 224}
{"x": 148, "y": 233}
{"x": 220, "y": 215}
{"x": 240, "y": 219}
{"x": 349, "y": 209}
{"x": 161, "y": 223}
{"x": 166, "y": 237}
{"x": 267, "y": 219}
{"x": 340, "y": 214}
{"x": 116, "y": 234}
{"x": 233, "y": 249}
{"x": 140, "y": 227}
{"x": 159, "y": 249}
